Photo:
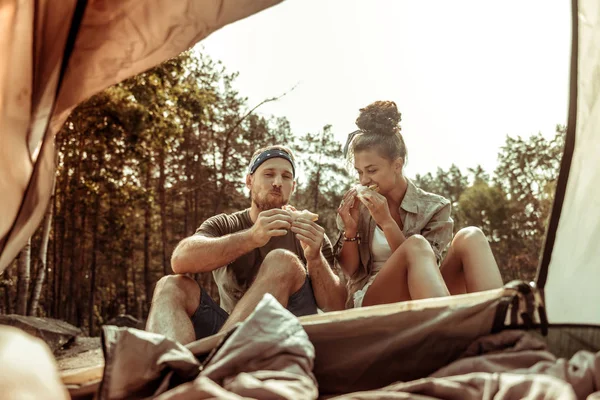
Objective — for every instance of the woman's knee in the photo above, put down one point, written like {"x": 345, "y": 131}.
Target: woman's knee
{"x": 469, "y": 236}
{"x": 178, "y": 288}
{"x": 417, "y": 246}
{"x": 283, "y": 266}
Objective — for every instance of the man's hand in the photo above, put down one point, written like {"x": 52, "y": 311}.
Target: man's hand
{"x": 310, "y": 236}
{"x": 275, "y": 222}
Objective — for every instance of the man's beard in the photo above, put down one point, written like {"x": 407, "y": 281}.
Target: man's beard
{"x": 268, "y": 202}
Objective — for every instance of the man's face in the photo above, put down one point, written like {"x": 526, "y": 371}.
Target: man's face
{"x": 271, "y": 184}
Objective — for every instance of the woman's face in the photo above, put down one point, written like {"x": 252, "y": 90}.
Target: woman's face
{"x": 374, "y": 169}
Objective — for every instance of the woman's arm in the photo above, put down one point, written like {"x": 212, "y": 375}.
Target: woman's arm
{"x": 348, "y": 257}
{"x": 347, "y": 221}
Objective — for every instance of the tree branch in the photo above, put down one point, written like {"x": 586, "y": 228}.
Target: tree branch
{"x": 234, "y": 127}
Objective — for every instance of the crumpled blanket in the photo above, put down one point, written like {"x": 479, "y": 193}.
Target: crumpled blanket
{"x": 270, "y": 356}
{"x": 267, "y": 356}
{"x": 504, "y": 366}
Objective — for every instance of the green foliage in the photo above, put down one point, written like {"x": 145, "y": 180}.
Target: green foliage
{"x": 513, "y": 207}
{"x": 325, "y": 178}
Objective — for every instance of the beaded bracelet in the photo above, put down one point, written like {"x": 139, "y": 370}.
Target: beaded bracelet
{"x": 354, "y": 239}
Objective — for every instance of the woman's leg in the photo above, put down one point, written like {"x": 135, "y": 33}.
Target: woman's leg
{"x": 410, "y": 273}
{"x": 469, "y": 265}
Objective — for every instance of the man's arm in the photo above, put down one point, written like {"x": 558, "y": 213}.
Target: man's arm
{"x": 203, "y": 254}
{"x": 329, "y": 291}
{"x": 209, "y": 251}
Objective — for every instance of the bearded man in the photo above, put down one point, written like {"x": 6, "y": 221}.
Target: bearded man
{"x": 267, "y": 248}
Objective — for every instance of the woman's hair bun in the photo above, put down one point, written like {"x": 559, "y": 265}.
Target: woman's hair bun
{"x": 380, "y": 117}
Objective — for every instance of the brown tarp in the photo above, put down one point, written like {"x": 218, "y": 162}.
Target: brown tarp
{"x": 115, "y": 39}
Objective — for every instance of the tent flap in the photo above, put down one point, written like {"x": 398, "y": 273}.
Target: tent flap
{"x": 573, "y": 274}
{"x": 115, "y": 40}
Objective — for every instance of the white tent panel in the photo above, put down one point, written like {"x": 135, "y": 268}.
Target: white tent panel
{"x": 573, "y": 282}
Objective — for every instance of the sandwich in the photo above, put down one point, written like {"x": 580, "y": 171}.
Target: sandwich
{"x": 361, "y": 190}
{"x": 304, "y": 214}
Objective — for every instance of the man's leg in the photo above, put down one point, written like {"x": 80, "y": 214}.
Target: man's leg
{"x": 176, "y": 298}
{"x": 303, "y": 302}
{"x": 281, "y": 274}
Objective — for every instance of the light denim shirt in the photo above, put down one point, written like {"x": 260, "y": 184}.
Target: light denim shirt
{"x": 422, "y": 213}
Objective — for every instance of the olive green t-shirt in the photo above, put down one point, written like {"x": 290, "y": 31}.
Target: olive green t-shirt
{"x": 234, "y": 279}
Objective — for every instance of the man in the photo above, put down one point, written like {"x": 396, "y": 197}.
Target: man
{"x": 251, "y": 252}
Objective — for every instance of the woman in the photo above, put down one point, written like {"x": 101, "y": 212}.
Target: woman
{"x": 392, "y": 239}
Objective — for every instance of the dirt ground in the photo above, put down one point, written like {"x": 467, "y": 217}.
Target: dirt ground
{"x": 83, "y": 352}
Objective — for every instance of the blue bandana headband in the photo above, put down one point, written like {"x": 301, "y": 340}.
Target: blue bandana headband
{"x": 268, "y": 154}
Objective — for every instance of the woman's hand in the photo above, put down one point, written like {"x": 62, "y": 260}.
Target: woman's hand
{"x": 348, "y": 211}
{"x": 378, "y": 207}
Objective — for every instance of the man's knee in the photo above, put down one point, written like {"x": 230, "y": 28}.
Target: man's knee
{"x": 180, "y": 289}
{"x": 283, "y": 266}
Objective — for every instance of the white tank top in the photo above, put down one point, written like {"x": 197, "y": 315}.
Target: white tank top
{"x": 380, "y": 249}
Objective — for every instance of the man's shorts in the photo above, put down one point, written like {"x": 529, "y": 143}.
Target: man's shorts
{"x": 210, "y": 317}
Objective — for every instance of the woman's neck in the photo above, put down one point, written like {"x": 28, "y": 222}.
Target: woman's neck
{"x": 396, "y": 195}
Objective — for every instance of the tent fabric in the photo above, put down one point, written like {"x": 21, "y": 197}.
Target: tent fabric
{"x": 573, "y": 273}
{"x": 370, "y": 347}
{"x": 270, "y": 356}
{"x": 116, "y": 39}
{"x": 507, "y": 365}
{"x": 565, "y": 341}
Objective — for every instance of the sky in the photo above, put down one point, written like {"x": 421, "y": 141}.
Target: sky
{"x": 463, "y": 73}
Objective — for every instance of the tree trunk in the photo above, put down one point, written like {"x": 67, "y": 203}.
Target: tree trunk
{"x": 126, "y": 261}
{"x": 50, "y": 285}
{"x": 134, "y": 282}
{"x": 58, "y": 293}
{"x": 7, "y": 302}
{"x": 75, "y": 242}
{"x": 41, "y": 264}
{"x": 78, "y": 280}
{"x": 316, "y": 190}
{"x": 224, "y": 170}
{"x": 317, "y": 185}
{"x": 147, "y": 233}
{"x": 93, "y": 265}
{"x": 59, "y": 311}
{"x": 23, "y": 270}
{"x": 188, "y": 183}
{"x": 163, "y": 210}
{"x": 7, "y": 297}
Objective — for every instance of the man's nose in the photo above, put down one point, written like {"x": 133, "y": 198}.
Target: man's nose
{"x": 277, "y": 181}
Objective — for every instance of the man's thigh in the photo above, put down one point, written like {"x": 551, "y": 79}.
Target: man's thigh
{"x": 303, "y": 301}
{"x": 209, "y": 316}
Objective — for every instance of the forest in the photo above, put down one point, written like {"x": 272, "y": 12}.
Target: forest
{"x": 142, "y": 164}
